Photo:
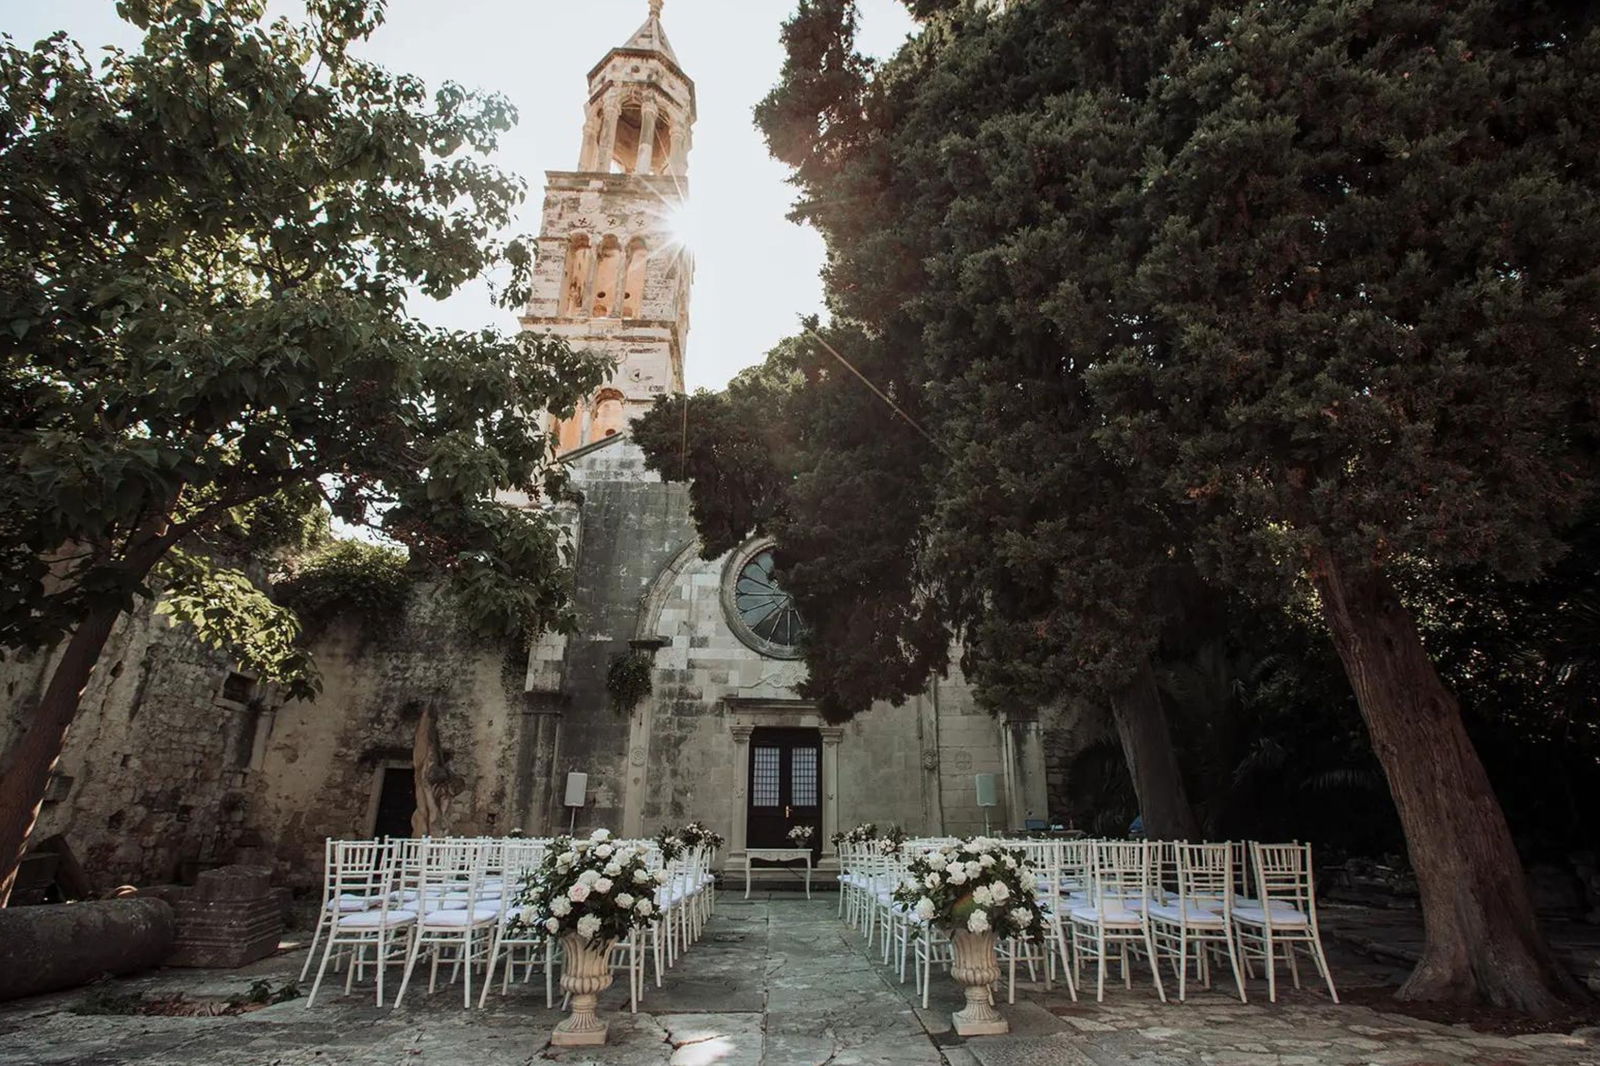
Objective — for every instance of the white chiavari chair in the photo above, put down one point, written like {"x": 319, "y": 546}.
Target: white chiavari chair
{"x": 361, "y": 869}
{"x": 333, "y": 904}
{"x": 1283, "y": 913}
{"x": 1048, "y": 862}
{"x": 452, "y": 915}
{"x": 1200, "y": 917}
{"x": 1120, "y": 871}
{"x": 516, "y": 937}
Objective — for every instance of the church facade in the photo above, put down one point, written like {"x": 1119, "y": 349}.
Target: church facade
{"x": 177, "y": 761}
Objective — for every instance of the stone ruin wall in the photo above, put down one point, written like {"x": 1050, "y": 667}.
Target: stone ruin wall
{"x": 155, "y": 772}
{"x": 171, "y": 767}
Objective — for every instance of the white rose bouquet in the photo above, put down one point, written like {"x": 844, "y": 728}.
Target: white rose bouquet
{"x": 861, "y": 834}
{"x": 696, "y": 834}
{"x": 595, "y": 888}
{"x": 978, "y": 884}
{"x": 800, "y": 836}
{"x": 670, "y": 845}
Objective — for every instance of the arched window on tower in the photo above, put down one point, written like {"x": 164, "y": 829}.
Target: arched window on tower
{"x": 625, "y": 151}
{"x": 609, "y": 417}
{"x": 607, "y": 276}
{"x": 580, "y": 256}
{"x": 661, "y": 148}
{"x": 633, "y": 278}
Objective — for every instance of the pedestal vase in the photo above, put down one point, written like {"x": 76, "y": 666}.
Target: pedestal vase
{"x": 975, "y": 969}
{"x": 585, "y": 973}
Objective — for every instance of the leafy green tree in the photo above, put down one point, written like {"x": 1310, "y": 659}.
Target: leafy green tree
{"x": 1300, "y": 294}
{"x": 206, "y": 248}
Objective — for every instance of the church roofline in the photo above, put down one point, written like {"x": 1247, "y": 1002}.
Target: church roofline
{"x": 648, "y": 53}
{"x": 557, "y": 178}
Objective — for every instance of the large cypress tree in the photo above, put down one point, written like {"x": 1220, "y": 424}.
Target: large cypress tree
{"x": 1302, "y": 292}
{"x": 1370, "y": 270}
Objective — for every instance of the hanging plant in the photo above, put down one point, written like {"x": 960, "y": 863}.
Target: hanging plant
{"x": 628, "y": 680}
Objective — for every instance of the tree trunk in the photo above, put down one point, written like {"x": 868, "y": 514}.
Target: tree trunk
{"x": 1482, "y": 941}
{"x": 1152, "y": 762}
{"x": 25, "y": 768}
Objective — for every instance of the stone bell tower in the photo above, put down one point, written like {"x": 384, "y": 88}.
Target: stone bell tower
{"x": 611, "y": 277}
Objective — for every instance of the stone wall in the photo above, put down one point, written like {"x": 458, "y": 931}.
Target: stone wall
{"x": 175, "y": 760}
{"x": 631, "y": 527}
{"x": 640, "y": 578}
{"x": 1069, "y": 730}
{"x": 154, "y": 777}
{"x": 323, "y": 763}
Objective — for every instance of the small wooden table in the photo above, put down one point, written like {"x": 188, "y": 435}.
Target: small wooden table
{"x": 776, "y": 855}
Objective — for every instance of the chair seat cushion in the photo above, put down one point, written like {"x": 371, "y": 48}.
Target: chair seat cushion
{"x": 377, "y": 919}
{"x": 1282, "y": 917}
{"x": 1110, "y": 914}
{"x": 1277, "y": 905}
{"x": 1194, "y": 915}
{"x": 460, "y": 919}
{"x": 350, "y": 904}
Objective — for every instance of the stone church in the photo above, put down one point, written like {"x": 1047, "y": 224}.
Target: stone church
{"x": 178, "y": 761}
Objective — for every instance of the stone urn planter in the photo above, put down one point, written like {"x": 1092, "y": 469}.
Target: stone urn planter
{"x": 585, "y": 974}
{"x": 976, "y": 968}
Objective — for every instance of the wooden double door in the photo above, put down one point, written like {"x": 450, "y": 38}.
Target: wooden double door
{"x": 785, "y": 787}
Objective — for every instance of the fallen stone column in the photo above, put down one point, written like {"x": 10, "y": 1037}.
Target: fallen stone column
{"x": 46, "y": 948}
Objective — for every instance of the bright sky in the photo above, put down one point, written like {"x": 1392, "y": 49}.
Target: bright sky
{"x": 756, "y": 273}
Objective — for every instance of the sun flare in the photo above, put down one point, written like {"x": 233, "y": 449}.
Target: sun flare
{"x": 682, "y": 225}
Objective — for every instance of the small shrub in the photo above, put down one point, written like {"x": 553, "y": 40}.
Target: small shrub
{"x": 347, "y": 578}
{"x": 262, "y": 994}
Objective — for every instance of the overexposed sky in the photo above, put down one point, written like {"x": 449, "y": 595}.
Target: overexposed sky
{"x": 756, "y": 273}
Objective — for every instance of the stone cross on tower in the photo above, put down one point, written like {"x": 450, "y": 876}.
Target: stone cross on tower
{"x": 610, "y": 277}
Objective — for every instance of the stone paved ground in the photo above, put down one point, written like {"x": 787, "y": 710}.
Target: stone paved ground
{"x": 777, "y": 980}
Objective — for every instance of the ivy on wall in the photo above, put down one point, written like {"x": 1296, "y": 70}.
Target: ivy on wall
{"x": 628, "y": 680}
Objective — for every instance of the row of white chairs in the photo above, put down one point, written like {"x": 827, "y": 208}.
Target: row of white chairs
{"x": 1170, "y": 903}
{"x": 452, "y": 901}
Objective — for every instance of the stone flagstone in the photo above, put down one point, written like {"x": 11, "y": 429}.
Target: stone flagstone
{"x": 776, "y": 981}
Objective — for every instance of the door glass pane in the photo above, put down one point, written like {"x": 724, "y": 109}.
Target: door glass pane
{"x": 764, "y": 783}
{"x": 803, "y": 777}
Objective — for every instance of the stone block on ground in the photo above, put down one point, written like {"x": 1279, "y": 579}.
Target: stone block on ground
{"x": 231, "y": 917}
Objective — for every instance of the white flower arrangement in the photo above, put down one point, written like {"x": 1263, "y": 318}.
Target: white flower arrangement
{"x": 861, "y": 834}
{"x": 595, "y": 888}
{"x": 670, "y": 844}
{"x": 696, "y": 834}
{"x": 978, "y": 885}
{"x": 800, "y": 836}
